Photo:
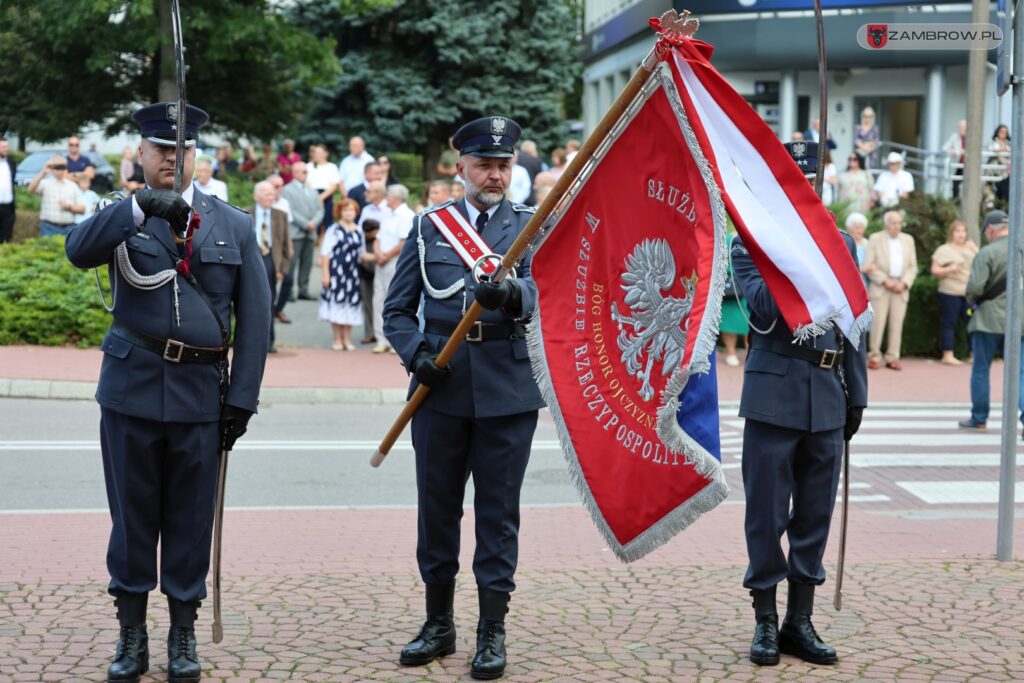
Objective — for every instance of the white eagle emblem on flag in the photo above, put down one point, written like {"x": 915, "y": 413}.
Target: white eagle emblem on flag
{"x": 652, "y": 326}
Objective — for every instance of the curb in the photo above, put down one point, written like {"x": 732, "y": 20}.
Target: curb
{"x": 79, "y": 391}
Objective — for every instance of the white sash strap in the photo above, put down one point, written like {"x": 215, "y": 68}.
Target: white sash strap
{"x": 463, "y": 237}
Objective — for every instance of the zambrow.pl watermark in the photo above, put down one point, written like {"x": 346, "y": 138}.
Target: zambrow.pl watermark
{"x": 929, "y": 36}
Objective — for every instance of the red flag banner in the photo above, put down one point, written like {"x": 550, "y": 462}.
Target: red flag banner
{"x": 790, "y": 234}
{"x": 630, "y": 274}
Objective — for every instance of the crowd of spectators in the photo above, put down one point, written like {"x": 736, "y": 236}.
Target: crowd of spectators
{"x": 350, "y": 218}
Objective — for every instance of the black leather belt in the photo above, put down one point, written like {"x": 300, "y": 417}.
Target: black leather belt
{"x": 480, "y": 331}
{"x": 169, "y": 349}
{"x": 823, "y": 358}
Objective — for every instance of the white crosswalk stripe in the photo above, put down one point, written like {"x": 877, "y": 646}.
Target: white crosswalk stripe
{"x": 935, "y": 462}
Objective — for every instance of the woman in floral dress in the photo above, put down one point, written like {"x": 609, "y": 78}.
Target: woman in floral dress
{"x": 342, "y": 248}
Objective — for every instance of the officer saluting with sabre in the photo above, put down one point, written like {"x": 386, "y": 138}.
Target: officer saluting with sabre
{"x": 481, "y": 413}
{"x": 180, "y": 265}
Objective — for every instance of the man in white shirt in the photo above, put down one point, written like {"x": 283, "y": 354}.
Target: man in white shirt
{"x": 207, "y": 184}
{"x": 352, "y": 166}
{"x": 893, "y": 184}
{"x": 59, "y": 194}
{"x": 376, "y": 207}
{"x": 376, "y": 210}
{"x": 7, "y": 171}
{"x": 390, "y": 238}
{"x": 520, "y": 187}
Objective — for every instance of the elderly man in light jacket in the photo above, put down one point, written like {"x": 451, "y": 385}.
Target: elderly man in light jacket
{"x": 891, "y": 266}
{"x": 307, "y": 212}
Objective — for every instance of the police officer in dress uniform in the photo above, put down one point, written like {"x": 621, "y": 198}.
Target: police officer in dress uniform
{"x": 801, "y": 401}
{"x": 168, "y": 402}
{"x": 481, "y": 413}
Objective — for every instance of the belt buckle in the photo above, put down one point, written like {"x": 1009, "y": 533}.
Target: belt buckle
{"x": 478, "y": 330}
{"x": 171, "y": 347}
{"x": 828, "y": 359}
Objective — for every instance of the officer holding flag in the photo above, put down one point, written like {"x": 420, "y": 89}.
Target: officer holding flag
{"x": 481, "y": 413}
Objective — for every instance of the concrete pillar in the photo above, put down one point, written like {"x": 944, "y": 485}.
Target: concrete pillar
{"x": 933, "y": 129}
{"x": 787, "y": 104}
{"x": 591, "y": 105}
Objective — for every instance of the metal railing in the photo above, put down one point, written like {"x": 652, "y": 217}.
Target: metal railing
{"x": 936, "y": 171}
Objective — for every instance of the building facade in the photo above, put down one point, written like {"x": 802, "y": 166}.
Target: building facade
{"x": 767, "y": 50}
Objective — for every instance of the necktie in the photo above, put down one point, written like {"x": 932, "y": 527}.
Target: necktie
{"x": 481, "y": 222}
{"x": 264, "y": 238}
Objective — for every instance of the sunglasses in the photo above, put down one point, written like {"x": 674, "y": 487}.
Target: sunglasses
{"x": 74, "y": 145}
{"x": 59, "y": 167}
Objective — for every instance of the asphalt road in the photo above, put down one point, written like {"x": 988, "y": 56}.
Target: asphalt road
{"x": 294, "y": 455}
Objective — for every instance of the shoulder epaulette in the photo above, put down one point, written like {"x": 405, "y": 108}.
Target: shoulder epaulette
{"x": 523, "y": 208}
{"x": 229, "y": 205}
{"x": 436, "y": 207}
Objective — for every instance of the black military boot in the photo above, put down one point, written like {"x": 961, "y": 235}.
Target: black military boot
{"x": 437, "y": 636}
{"x": 765, "y": 647}
{"x": 131, "y": 659}
{"x": 797, "y": 635}
{"x": 182, "y": 660}
{"x": 489, "y": 661}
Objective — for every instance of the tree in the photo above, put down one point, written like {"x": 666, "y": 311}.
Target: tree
{"x": 75, "y": 63}
{"x": 413, "y": 71}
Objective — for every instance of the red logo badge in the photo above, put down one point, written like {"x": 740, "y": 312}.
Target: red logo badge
{"x": 878, "y": 35}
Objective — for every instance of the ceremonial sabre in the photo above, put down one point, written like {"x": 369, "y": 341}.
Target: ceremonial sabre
{"x": 218, "y": 526}
{"x": 837, "y": 601}
{"x": 179, "y": 181}
{"x": 672, "y": 27}
{"x": 179, "y": 109}
{"x": 819, "y": 178}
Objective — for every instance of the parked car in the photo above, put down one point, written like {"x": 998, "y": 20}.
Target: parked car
{"x": 31, "y": 165}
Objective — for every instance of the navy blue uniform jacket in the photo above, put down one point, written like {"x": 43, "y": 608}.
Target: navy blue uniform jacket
{"x": 488, "y": 378}
{"x": 786, "y": 391}
{"x": 227, "y": 263}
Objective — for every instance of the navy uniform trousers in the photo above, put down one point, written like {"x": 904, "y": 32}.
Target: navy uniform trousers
{"x": 495, "y": 451}
{"x": 161, "y": 483}
{"x": 795, "y": 412}
{"x": 159, "y": 425}
{"x": 481, "y": 421}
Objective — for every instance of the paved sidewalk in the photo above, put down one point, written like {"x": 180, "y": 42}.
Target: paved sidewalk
{"x": 333, "y": 594}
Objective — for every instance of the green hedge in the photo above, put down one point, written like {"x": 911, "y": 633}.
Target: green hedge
{"x": 45, "y": 300}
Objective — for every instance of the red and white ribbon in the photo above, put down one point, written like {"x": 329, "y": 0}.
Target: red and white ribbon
{"x": 789, "y": 233}
{"x": 463, "y": 237}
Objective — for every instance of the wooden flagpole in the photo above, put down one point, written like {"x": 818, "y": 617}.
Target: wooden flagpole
{"x": 670, "y": 23}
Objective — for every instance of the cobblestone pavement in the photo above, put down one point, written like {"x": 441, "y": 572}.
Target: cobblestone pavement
{"x": 332, "y": 596}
